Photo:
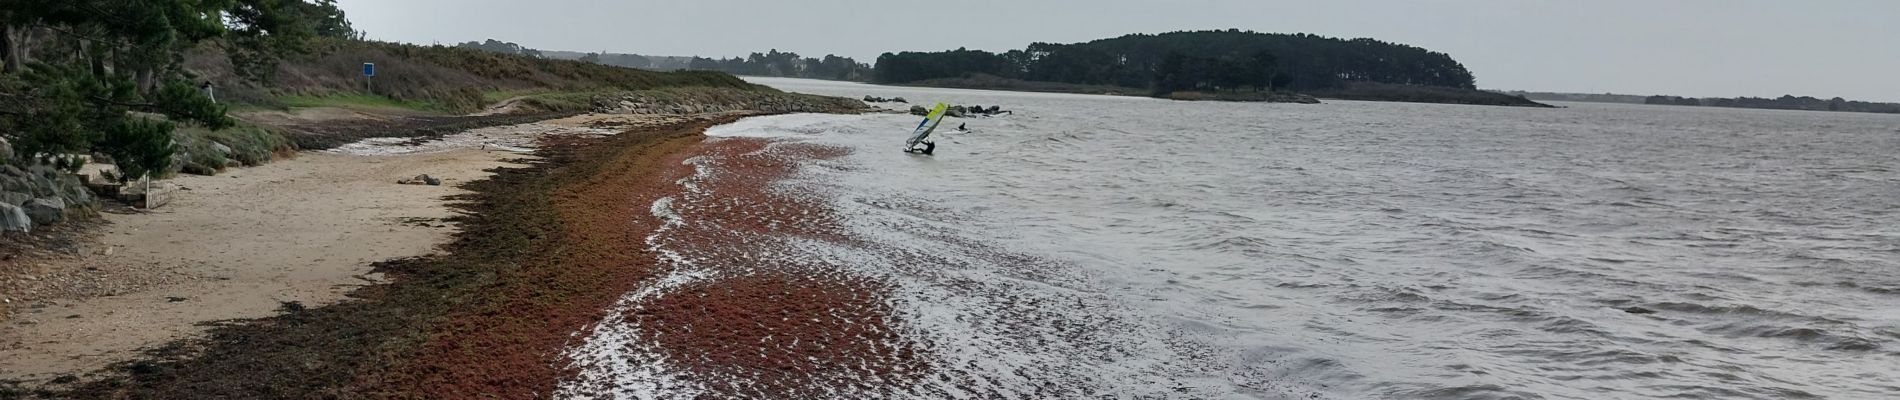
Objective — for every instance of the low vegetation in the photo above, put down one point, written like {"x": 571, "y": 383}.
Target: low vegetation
{"x": 356, "y": 101}
{"x": 1786, "y": 102}
{"x": 204, "y": 151}
{"x": 428, "y": 78}
{"x": 770, "y": 63}
{"x": 1423, "y": 94}
{"x": 993, "y": 82}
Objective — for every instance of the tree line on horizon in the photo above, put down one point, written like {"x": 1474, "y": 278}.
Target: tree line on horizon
{"x": 1196, "y": 60}
{"x": 1785, "y": 102}
{"x": 788, "y": 65}
{"x": 771, "y": 63}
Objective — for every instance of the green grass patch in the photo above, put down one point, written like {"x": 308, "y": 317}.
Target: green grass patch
{"x": 205, "y": 152}
{"x": 357, "y": 101}
{"x": 497, "y": 96}
{"x": 563, "y": 101}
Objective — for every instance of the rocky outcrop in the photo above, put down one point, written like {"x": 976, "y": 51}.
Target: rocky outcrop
{"x": 697, "y": 101}
{"x": 961, "y": 111}
{"x": 42, "y": 195}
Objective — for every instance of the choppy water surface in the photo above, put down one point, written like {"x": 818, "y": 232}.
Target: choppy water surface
{"x": 1131, "y": 247}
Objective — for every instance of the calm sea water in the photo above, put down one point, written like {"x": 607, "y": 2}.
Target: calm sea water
{"x": 1136, "y": 248}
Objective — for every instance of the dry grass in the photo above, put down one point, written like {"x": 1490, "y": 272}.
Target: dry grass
{"x": 428, "y": 78}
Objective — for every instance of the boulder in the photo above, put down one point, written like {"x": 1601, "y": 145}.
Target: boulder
{"x": 44, "y": 171}
{"x": 44, "y": 186}
{"x": 14, "y": 183}
{"x": 14, "y": 219}
{"x": 424, "y": 179}
{"x": 222, "y": 149}
{"x": 46, "y": 210}
{"x": 15, "y": 198}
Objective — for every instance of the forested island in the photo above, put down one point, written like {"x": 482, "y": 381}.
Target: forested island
{"x": 1221, "y": 65}
{"x": 1230, "y": 65}
{"x": 1786, "y": 102}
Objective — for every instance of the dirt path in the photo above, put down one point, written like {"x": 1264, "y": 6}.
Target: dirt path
{"x": 237, "y": 245}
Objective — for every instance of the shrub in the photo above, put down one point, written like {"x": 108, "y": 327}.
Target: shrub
{"x": 141, "y": 146}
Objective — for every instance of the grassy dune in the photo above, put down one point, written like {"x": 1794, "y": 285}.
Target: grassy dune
{"x": 432, "y": 78}
{"x": 428, "y": 89}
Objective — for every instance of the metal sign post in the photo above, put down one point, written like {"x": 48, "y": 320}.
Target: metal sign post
{"x": 369, "y": 71}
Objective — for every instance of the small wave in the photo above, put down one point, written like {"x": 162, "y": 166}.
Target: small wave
{"x": 1462, "y": 392}
{"x": 1823, "y": 338}
{"x": 1384, "y": 294}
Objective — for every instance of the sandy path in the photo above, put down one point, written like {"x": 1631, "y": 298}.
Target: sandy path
{"x": 303, "y": 230}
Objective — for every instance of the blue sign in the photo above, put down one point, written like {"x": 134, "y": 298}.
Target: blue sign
{"x": 369, "y": 69}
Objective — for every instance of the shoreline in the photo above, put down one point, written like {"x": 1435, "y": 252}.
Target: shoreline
{"x": 234, "y": 246}
{"x": 541, "y": 253}
{"x": 735, "y": 308}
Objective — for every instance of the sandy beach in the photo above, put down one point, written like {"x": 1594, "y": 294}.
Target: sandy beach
{"x": 235, "y": 246}
{"x": 244, "y": 244}
{"x": 323, "y": 272}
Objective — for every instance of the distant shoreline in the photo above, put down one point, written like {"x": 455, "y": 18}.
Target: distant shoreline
{"x": 1787, "y": 102}
{"x": 1355, "y": 92}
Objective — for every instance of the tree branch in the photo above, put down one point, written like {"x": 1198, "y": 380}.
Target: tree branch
{"x": 147, "y": 106}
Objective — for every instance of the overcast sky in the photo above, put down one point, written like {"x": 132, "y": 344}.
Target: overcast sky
{"x": 1825, "y": 48}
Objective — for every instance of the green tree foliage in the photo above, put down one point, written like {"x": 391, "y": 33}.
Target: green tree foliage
{"x": 1177, "y": 72}
{"x": 139, "y": 146}
{"x": 1227, "y": 59}
{"x": 1785, "y": 102}
{"x": 500, "y": 47}
{"x": 107, "y": 79}
{"x": 786, "y": 64}
{"x": 264, "y": 32}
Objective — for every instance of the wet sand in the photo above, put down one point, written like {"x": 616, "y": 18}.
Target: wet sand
{"x": 727, "y": 314}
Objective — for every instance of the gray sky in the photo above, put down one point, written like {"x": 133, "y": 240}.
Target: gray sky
{"x": 1823, "y": 48}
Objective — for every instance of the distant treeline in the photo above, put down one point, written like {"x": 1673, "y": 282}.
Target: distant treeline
{"x": 790, "y": 65}
{"x": 1202, "y": 60}
{"x": 1582, "y": 97}
{"x": 500, "y": 47}
{"x": 770, "y": 63}
{"x": 1787, "y": 102}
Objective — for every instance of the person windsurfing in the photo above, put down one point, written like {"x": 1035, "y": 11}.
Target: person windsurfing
{"x": 921, "y": 137}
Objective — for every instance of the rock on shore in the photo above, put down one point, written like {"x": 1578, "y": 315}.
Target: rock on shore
{"x": 43, "y": 195}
